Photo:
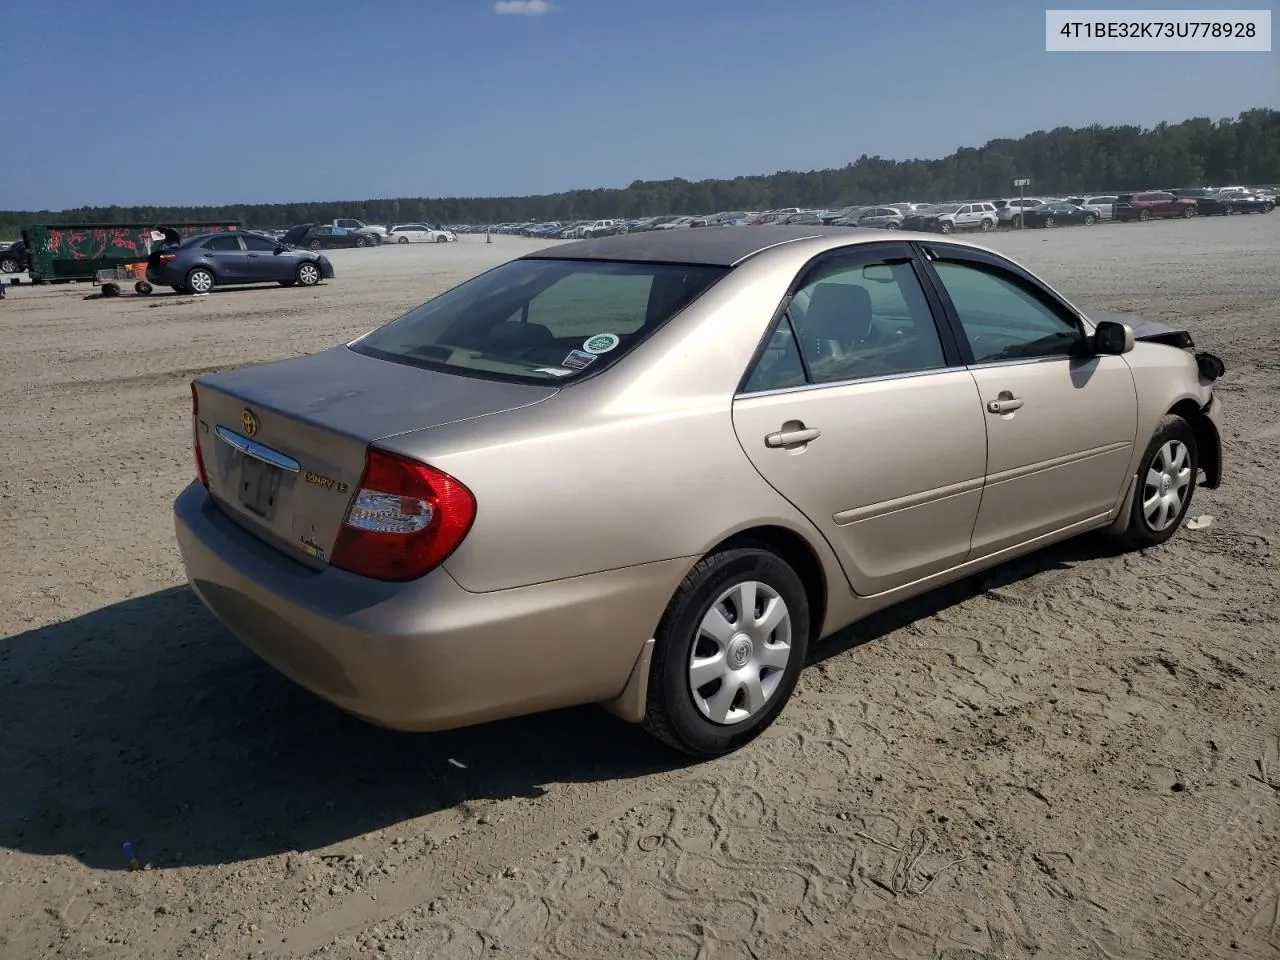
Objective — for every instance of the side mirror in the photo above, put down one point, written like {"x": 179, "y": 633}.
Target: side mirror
{"x": 1110, "y": 337}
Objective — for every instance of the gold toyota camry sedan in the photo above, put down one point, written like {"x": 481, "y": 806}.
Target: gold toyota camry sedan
{"x": 650, "y": 471}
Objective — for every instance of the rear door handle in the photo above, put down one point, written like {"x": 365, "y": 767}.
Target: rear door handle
{"x": 788, "y": 438}
{"x": 1004, "y": 405}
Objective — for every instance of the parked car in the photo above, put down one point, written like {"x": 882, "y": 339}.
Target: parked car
{"x": 1153, "y": 204}
{"x": 922, "y": 217}
{"x": 200, "y": 263}
{"x": 324, "y": 237}
{"x": 1059, "y": 213}
{"x": 13, "y": 258}
{"x": 1009, "y": 212}
{"x": 1240, "y": 201}
{"x": 1100, "y": 205}
{"x": 967, "y": 216}
{"x": 886, "y": 218}
{"x": 419, "y": 233}
{"x": 360, "y": 516}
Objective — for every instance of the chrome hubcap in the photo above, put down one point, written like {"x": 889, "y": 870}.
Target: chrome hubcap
{"x": 740, "y": 653}
{"x": 1166, "y": 486}
{"x": 309, "y": 274}
{"x": 200, "y": 282}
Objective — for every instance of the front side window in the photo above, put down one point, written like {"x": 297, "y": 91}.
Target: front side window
{"x": 1003, "y": 318}
{"x": 541, "y": 319}
{"x": 852, "y": 322}
{"x": 259, "y": 244}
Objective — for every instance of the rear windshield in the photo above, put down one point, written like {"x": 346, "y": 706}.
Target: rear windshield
{"x": 540, "y": 320}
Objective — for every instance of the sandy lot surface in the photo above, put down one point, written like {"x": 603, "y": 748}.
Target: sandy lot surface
{"x": 1075, "y": 755}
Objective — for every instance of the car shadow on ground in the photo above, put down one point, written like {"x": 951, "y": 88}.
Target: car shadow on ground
{"x": 144, "y": 721}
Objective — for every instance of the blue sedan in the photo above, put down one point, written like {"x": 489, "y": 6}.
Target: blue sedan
{"x": 202, "y": 262}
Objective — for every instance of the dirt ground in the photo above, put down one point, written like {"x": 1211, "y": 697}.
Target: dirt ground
{"x": 1074, "y": 755}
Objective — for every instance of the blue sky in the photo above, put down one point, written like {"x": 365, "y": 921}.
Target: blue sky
{"x": 188, "y": 103}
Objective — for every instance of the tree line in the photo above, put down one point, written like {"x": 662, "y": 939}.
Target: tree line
{"x": 1236, "y": 150}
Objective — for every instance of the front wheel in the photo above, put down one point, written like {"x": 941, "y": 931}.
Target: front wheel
{"x": 442, "y": 239}
{"x": 1144, "y": 215}
{"x": 308, "y": 274}
{"x": 1188, "y": 212}
{"x": 9, "y": 265}
{"x": 729, "y": 650}
{"x": 986, "y": 226}
{"x": 1050, "y": 222}
{"x": 314, "y": 244}
{"x": 945, "y": 228}
{"x": 1090, "y": 220}
{"x": 1166, "y": 481}
{"x": 403, "y": 240}
{"x": 891, "y": 225}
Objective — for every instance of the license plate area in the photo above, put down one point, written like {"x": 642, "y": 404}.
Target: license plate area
{"x": 259, "y": 487}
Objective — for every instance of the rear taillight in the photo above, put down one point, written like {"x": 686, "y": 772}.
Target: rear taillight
{"x": 404, "y": 520}
{"x": 165, "y": 258}
{"x": 195, "y": 436}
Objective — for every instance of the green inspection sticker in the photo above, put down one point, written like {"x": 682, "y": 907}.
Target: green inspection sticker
{"x": 601, "y": 343}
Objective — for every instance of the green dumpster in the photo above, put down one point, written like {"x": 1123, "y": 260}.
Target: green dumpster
{"x": 77, "y": 251}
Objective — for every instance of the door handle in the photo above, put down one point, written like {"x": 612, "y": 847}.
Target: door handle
{"x": 788, "y": 438}
{"x": 1006, "y": 404}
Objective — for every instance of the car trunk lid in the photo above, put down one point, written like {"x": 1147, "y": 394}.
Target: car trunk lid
{"x": 284, "y": 443}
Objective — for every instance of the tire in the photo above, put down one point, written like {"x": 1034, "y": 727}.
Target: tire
{"x": 403, "y": 240}
{"x": 200, "y": 280}
{"x": 1188, "y": 212}
{"x": 314, "y": 245}
{"x": 1050, "y": 223}
{"x": 891, "y": 225}
{"x": 945, "y": 228}
{"x": 1228, "y": 210}
{"x": 111, "y": 289}
{"x": 986, "y": 226}
{"x": 308, "y": 273}
{"x": 142, "y": 287}
{"x": 10, "y": 265}
{"x": 361, "y": 242}
{"x": 1144, "y": 214}
{"x": 442, "y": 239}
{"x": 1015, "y": 222}
{"x": 1090, "y": 220}
{"x": 681, "y": 716}
{"x": 1173, "y": 474}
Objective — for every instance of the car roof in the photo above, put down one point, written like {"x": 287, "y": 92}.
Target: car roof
{"x": 708, "y": 246}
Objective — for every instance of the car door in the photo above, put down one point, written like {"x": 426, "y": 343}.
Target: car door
{"x": 263, "y": 261}
{"x": 1061, "y": 421}
{"x": 226, "y": 257}
{"x": 964, "y": 217}
{"x": 860, "y": 413}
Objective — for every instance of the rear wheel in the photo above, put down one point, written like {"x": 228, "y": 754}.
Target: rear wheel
{"x": 891, "y": 225}
{"x": 1188, "y": 212}
{"x": 200, "y": 280}
{"x": 308, "y": 274}
{"x": 403, "y": 240}
{"x": 9, "y": 265}
{"x": 442, "y": 239}
{"x": 1015, "y": 221}
{"x": 314, "y": 245}
{"x": 1144, "y": 214}
{"x": 1050, "y": 222}
{"x": 1166, "y": 481}
{"x": 1090, "y": 220}
{"x": 986, "y": 226}
{"x": 730, "y": 648}
{"x": 362, "y": 242}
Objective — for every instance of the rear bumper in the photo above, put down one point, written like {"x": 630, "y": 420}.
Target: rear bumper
{"x": 426, "y": 655}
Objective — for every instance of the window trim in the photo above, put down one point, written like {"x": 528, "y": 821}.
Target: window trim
{"x": 1049, "y": 297}
{"x": 953, "y": 356}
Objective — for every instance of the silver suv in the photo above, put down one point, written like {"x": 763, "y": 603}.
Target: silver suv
{"x": 975, "y": 215}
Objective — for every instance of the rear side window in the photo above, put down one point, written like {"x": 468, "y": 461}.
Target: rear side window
{"x": 851, "y": 321}
{"x": 539, "y": 320}
{"x": 227, "y": 242}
